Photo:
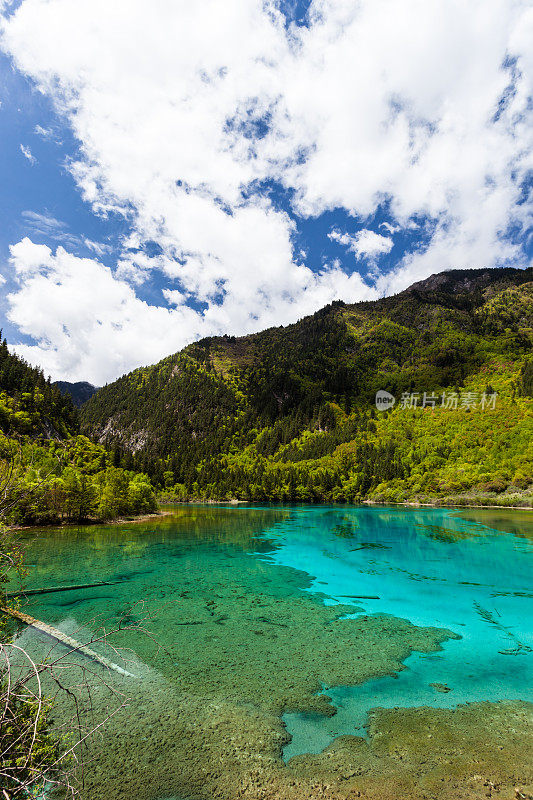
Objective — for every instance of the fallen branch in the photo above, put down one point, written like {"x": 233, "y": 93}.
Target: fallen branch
{"x": 66, "y": 640}
{"x": 27, "y": 592}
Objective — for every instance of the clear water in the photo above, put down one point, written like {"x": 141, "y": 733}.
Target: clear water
{"x": 432, "y": 568}
{"x": 239, "y": 599}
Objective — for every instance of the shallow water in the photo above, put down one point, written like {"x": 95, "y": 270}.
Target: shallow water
{"x": 433, "y": 568}
{"x": 244, "y": 605}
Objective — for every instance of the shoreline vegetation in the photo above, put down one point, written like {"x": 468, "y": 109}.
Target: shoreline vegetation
{"x": 456, "y": 502}
{"x": 60, "y": 483}
{"x": 127, "y": 520}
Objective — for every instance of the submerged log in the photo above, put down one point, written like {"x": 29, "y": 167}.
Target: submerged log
{"x": 27, "y": 592}
{"x": 361, "y": 596}
{"x": 66, "y": 640}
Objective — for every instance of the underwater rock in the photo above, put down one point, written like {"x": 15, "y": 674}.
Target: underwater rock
{"x": 440, "y": 687}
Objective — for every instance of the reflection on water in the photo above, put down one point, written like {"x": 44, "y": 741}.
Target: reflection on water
{"x": 518, "y": 522}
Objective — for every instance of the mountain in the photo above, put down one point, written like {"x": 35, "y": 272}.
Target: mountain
{"x": 289, "y": 413}
{"x": 79, "y": 392}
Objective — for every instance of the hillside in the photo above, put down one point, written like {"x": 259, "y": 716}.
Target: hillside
{"x": 288, "y": 413}
{"x": 29, "y": 403}
{"x": 48, "y": 471}
{"x": 79, "y": 392}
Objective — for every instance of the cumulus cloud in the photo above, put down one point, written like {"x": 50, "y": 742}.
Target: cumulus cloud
{"x": 183, "y": 111}
{"x": 90, "y": 325}
{"x": 364, "y": 243}
{"x": 174, "y": 297}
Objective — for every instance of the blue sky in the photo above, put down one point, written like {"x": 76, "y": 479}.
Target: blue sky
{"x": 204, "y": 172}
{"x": 42, "y": 187}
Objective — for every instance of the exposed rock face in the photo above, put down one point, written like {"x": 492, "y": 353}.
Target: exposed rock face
{"x": 457, "y": 281}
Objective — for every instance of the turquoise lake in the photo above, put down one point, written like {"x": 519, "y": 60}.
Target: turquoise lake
{"x": 436, "y": 569}
{"x": 230, "y": 592}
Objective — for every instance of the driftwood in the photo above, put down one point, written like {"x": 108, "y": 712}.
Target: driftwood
{"x": 66, "y": 640}
{"x": 27, "y": 592}
{"x": 361, "y": 596}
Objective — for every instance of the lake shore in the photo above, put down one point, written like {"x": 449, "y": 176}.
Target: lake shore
{"x": 165, "y": 513}
{"x": 408, "y": 503}
{"x": 444, "y": 504}
{"x": 90, "y": 522}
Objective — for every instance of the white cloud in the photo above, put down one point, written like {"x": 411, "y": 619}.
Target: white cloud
{"x": 44, "y": 223}
{"x": 44, "y": 133}
{"x": 174, "y": 297}
{"x": 97, "y": 247}
{"x": 400, "y": 101}
{"x": 90, "y": 325}
{"x": 29, "y": 258}
{"x": 181, "y": 108}
{"x": 26, "y": 152}
{"x": 365, "y": 243}
{"x": 390, "y": 228}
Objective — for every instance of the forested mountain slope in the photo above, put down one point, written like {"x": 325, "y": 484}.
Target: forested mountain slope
{"x": 48, "y": 471}
{"x": 79, "y": 392}
{"x": 30, "y": 404}
{"x": 288, "y": 413}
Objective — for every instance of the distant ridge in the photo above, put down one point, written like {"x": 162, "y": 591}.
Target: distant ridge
{"x": 79, "y": 392}
{"x": 471, "y": 280}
